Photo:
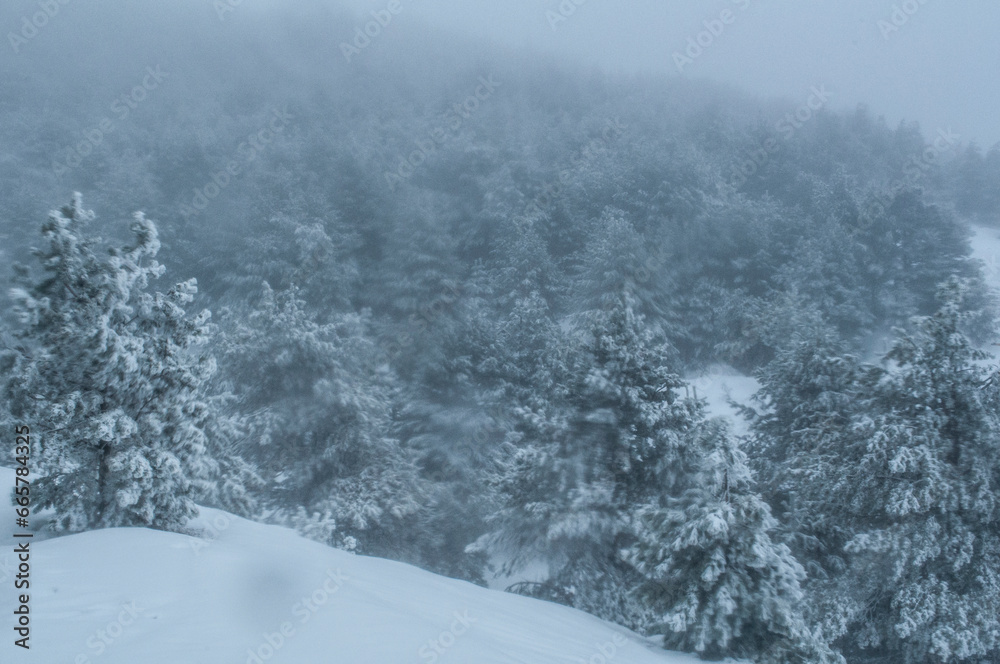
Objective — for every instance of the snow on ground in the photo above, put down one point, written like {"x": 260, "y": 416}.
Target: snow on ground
{"x": 719, "y": 385}
{"x": 252, "y": 593}
{"x": 536, "y": 571}
{"x": 986, "y": 247}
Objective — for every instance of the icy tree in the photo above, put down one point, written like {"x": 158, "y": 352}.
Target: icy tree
{"x": 110, "y": 375}
{"x": 809, "y": 395}
{"x": 924, "y": 498}
{"x": 578, "y": 463}
{"x": 719, "y": 583}
{"x": 319, "y": 397}
{"x": 887, "y": 479}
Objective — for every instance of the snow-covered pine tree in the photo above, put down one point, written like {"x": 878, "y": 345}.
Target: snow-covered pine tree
{"x": 320, "y": 395}
{"x": 887, "y": 481}
{"x": 109, "y": 375}
{"x": 719, "y": 583}
{"x": 619, "y": 258}
{"x": 808, "y": 397}
{"x": 632, "y": 386}
{"x": 578, "y": 464}
{"x": 925, "y": 501}
{"x": 520, "y": 369}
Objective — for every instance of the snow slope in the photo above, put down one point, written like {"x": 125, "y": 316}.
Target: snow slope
{"x": 247, "y": 592}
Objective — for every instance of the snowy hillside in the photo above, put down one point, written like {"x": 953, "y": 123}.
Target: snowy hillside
{"x": 254, "y": 593}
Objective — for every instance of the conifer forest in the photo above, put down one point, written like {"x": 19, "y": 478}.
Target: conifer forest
{"x": 554, "y": 325}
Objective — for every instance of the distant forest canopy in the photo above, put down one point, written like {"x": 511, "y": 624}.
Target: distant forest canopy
{"x": 277, "y": 160}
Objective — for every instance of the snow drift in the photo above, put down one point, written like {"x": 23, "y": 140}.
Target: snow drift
{"x": 248, "y": 593}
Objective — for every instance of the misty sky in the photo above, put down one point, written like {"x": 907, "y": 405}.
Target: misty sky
{"x": 939, "y": 68}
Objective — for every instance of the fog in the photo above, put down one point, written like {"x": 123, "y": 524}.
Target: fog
{"x": 681, "y": 315}
{"x": 920, "y": 60}
{"x": 934, "y": 62}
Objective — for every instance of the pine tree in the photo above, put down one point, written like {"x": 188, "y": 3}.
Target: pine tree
{"x": 111, "y": 376}
{"x": 577, "y": 463}
{"x": 809, "y": 394}
{"x": 719, "y": 582}
{"x": 320, "y": 396}
{"x": 925, "y": 500}
{"x": 887, "y": 478}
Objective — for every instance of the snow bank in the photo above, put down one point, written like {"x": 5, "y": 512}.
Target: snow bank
{"x": 247, "y": 592}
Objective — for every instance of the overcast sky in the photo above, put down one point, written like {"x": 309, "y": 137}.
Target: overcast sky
{"x": 941, "y": 66}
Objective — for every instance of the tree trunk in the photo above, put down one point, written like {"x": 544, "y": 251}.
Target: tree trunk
{"x": 103, "y": 500}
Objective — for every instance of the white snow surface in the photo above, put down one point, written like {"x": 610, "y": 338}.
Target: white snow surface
{"x": 721, "y": 384}
{"x": 986, "y": 247}
{"x": 245, "y": 592}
